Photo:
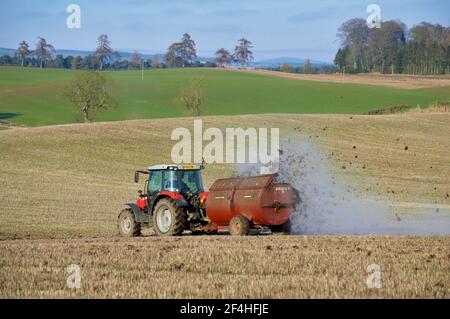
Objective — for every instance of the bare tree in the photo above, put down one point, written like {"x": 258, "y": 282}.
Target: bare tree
{"x": 187, "y": 49}
{"x": 424, "y": 49}
{"x": 428, "y": 51}
{"x": 354, "y": 33}
{"x": 89, "y": 93}
{"x": 104, "y": 52}
{"x": 22, "y": 52}
{"x": 242, "y": 53}
{"x": 173, "y": 55}
{"x": 307, "y": 66}
{"x": 384, "y": 44}
{"x": 136, "y": 60}
{"x": 155, "y": 62}
{"x": 75, "y": 62}
{"x": 181, "y": 54}
{"x": 286, "y": 68}
{"x": 43, "y": 51}
{"x": 339, "y": 60}
{"x": 192, "y": 97}
{"x": 223, "y": 57}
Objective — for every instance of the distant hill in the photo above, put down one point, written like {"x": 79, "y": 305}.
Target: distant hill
{"x": 123, "y": 54}
{"x": 276, "y": 62}
{"x": 4, "y": 51}
{"x": 65, "y": 53}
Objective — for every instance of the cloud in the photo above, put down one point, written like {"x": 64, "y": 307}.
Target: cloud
{"x": 219, "y": 28}
{"x": 230, "y": 13}
{"x": 314, "y": 15}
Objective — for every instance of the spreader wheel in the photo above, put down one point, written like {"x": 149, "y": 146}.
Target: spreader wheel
{"x": 239, "y": 226}
{"x": 285, "y": 228}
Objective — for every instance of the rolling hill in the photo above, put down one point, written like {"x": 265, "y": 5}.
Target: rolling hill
{"x": 72, "y": 180}
{"x": 35, "y": 97}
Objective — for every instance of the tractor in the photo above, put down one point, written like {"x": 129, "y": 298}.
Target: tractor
{"x": 172, "y": 202}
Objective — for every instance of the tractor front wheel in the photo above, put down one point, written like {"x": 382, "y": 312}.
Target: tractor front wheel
{"x": 128, "y": 227}
{"x": 168, "y": 218}
{"x": 239, "y": 226}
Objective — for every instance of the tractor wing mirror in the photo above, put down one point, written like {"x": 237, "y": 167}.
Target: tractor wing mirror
{"x": 136, "y": 177}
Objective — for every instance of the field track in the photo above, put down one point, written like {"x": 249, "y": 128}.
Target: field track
{"x": 395, "y": 81}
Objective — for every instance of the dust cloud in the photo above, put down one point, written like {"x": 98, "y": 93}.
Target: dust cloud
{"x": 329, "y": 206}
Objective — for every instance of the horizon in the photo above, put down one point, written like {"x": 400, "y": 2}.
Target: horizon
{"x": 277, "y": 30}
{"x": 289, "y": 59}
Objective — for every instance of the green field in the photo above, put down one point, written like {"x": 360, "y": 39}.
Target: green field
{"x": 34, "y": 97}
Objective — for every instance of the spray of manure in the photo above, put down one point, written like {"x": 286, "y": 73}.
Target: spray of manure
{"x": 328, "y": 206}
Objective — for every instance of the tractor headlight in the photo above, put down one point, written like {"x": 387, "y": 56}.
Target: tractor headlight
{"x": 202, "y": 199}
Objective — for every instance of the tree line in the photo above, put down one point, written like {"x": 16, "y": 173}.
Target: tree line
{"x": 393, "y": 48}
{"x": 178, "y": 54}
{"x": 307, "y": 68}
{"x": 183, "y": 53}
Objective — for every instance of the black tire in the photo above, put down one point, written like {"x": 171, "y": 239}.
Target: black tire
{"x": 239, "y": 226}
{"x": 128, "y": 227}
{"x": 285, "y": 228}
{"x": 169, "y": 225}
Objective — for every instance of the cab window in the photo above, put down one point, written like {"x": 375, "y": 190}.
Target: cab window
{"x": 170, "y": 181}
{"x": 154, "y": 182}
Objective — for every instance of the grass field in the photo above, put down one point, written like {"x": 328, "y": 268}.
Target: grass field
{"x": 34, "y": 97}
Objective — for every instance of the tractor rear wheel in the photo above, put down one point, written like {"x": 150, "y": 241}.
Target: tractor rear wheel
{"x": 239, "y": 226}
{"x": 169, "y": 219}
{"x": 127, "y": 224}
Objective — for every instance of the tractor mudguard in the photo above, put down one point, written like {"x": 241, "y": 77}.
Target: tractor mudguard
{"x": 181, "y": 202}
{"x": 139, "y": 214}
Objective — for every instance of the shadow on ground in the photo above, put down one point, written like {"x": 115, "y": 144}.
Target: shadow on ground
{"x": 7, "y": 116}
{"x": 4, "y": 117}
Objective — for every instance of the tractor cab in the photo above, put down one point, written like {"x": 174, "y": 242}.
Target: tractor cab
{"x": 180, "y": 179}
{"x": 179, "y": 182}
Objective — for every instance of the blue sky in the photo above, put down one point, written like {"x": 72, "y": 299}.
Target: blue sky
{"x": 278, "y": 28}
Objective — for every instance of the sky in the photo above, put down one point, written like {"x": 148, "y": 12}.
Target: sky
{"x": 277, "y": 28}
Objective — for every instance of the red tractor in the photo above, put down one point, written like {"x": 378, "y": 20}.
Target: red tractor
{"x": 172, "y": 201}
{"x": 175, "y": 200}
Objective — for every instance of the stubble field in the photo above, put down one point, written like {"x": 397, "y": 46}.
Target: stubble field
{"x": 225, "y": 267}
{"x": 63, "y": 186}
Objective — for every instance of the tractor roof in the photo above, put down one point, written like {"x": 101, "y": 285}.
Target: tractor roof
{"x": 164, "y": 167}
